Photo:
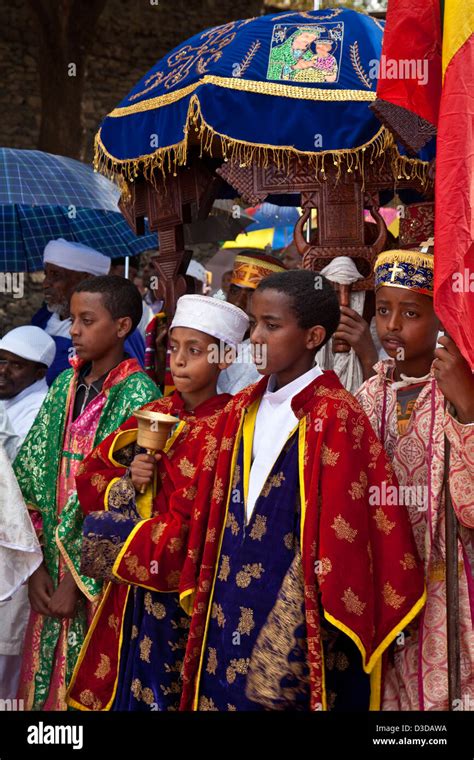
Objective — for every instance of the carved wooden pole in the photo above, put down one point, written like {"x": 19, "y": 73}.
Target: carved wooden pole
{"x": 344, "y": 294}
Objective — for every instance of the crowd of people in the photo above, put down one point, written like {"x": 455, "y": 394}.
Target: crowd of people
{"x": 286, "y": 548}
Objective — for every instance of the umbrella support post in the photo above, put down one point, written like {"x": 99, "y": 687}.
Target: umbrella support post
{"x": 183, "y": 198}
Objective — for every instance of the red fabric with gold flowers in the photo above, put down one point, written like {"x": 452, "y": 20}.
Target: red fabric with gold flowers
{"x": 163, "y": 537}
{"x": 359, "y": 560}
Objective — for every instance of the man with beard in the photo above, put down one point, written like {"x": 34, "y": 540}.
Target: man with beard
{"x": 66, "y": 264}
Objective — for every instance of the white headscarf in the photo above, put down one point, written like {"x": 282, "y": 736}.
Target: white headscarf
{"x": 346, "y": 365}
{"x": 76, "y": 257}
{"x": 20, "y": 552}
{"x": 220, "y": 319}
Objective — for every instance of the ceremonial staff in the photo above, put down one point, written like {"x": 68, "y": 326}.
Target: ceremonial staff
{"x": 452, "y": 586}
{"x": 452, "y": 580}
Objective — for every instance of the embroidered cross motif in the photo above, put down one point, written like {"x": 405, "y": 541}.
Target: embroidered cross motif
{"x": 394, "y": 270}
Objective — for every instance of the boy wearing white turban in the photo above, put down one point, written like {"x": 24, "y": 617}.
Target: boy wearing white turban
{"x": 154, "y": 527}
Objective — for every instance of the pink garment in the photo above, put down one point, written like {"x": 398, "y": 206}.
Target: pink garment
{"x": 418, "y": 677}
{"x": 324, "y": 63}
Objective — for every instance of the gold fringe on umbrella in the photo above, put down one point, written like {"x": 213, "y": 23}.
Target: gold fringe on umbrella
{"x": 166, "y": 160}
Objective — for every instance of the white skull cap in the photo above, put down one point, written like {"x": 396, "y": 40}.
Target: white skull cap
{"x": 219, "y": 319}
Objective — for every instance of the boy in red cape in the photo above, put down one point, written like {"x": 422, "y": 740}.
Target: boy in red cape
{"x": 304, "y": 580}
{"x": 133, "y": 654}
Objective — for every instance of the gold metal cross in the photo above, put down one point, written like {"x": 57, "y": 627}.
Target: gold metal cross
{"x": 427, "y": 245}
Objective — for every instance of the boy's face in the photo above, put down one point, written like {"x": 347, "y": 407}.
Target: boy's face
{"x": 276, "y": 335}
{"x": 191, "y": 360}
{"x": 406, "y": 323}
{"x": 323, "y": 48}
{"x": 94, "y": 332}
{"x": 240, "y": 297}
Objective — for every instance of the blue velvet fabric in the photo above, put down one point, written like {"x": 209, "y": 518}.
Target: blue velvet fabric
{"x": 265, "y": 51}
{"x": 155, "y": 628}
{"x": 155, "y": 632}
{"x": 103, "y": 535}
{"x": 347, "y": 685}
{"x": 253, "y": 562}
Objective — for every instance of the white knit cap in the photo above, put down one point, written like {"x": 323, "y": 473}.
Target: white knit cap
{"x": 30, "y": 343}
{"x": 75, "y": 256}
{"x": 219, "y": 319}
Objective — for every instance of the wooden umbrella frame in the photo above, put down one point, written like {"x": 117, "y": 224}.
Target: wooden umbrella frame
{"x": 339, "y": 199}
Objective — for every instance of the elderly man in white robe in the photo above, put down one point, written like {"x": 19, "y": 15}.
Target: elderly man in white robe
{"x": 66, "y": 264}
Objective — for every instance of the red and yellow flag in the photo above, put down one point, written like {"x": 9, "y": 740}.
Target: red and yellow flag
{"x": 426, "y": 87}
{"x": 409, "y": 77}
{"x": 454, "y": 185}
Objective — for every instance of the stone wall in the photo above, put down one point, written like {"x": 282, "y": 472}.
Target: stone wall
{"x": 131, "y": 36}
{"x": 20, "y": 100}
{"x": 19, "y": 299}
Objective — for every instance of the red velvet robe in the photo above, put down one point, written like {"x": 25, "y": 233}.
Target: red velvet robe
{"x": 163, "y": 534}
{"x": 359, "y": 559}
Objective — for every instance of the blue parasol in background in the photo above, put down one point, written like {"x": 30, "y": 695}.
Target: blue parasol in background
{"x": 44, "y": 197}
{"x": 35, "y": 178}
{"x": 272, "y": 226}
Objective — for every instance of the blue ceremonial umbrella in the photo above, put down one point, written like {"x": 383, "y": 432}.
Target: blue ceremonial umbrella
{"x": 43, "y": 197}
{"x": 258, "y": 91}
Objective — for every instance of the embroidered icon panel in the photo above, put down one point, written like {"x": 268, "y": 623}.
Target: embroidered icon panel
{"x": 309, "y": 53}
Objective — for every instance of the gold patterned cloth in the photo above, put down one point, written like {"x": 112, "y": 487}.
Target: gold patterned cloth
{"x": 249, "y": 270}
{"x": 358, "y": 557}
{"x": 412, "y": 270}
